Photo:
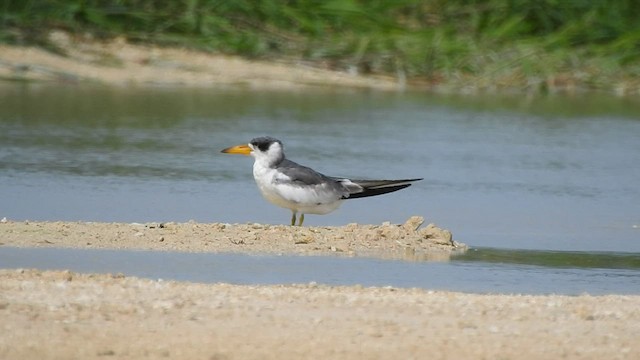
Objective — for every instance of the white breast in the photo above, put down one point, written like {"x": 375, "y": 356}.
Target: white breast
{"x": 274, "y": 186}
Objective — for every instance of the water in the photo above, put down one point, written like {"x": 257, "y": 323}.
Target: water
{"x": 478, "y": 271}
{"x": 552, "y": 173}
{"x": 513, "y": 172}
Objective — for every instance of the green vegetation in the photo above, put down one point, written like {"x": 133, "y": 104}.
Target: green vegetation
{"x": 534, "y": 44}
{"x": 558, "y": 259}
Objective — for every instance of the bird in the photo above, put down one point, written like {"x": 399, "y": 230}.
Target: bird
{"x": 301, "y": 189}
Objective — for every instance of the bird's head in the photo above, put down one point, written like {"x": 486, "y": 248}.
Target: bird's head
{"x": 264, "y": 149}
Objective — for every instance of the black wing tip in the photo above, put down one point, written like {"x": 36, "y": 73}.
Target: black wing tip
{"x": 406, "y": 180}
{"x": 389, "y": 181}
{"x": 378, "y": 191}
{"x": 392, "y": 183}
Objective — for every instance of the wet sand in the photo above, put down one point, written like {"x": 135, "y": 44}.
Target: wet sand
{"x": 62, "y": 315}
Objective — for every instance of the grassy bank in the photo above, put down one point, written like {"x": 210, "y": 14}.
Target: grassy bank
{"x": 540, "y": 45}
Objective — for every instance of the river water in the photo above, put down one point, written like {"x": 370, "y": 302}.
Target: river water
{"x": 554, "y": 173}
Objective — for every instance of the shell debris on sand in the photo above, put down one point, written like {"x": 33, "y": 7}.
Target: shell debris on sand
{"x": 65, "y": 315}
{"x": 408, "y": 241}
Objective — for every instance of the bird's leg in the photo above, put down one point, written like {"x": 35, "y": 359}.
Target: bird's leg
{"x": 301, "y": 220}
{"x": 293, "y": 219}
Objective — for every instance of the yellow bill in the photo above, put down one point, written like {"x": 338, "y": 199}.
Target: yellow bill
{"x": 238, "y": 149}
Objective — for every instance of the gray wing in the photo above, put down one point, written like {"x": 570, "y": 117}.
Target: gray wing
{"x": 299, "y": 175}
{"x": 350, "y": 189}
{"x": 302, "y": 175}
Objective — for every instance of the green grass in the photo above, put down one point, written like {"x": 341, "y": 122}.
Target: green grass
{"x": 539, "y": 45}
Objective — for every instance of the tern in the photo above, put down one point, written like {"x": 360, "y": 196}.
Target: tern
{"x": 301, "y": 189}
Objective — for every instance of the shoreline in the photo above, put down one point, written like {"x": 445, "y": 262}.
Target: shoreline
{"x": 120, "y": 63}
{"x": 60, "y": 314}
{"x": 408, "y": 241}
{"x": 63, "y": 314}
{"x": 117, "y": 62}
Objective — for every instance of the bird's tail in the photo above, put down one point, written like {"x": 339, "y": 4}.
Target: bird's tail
{"x": 379, "y": 187}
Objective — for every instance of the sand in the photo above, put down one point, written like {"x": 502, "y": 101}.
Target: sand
{"x": 82, "y": 59}
{"x": 64, "y": 315}
{"x": 410, "y": 241}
